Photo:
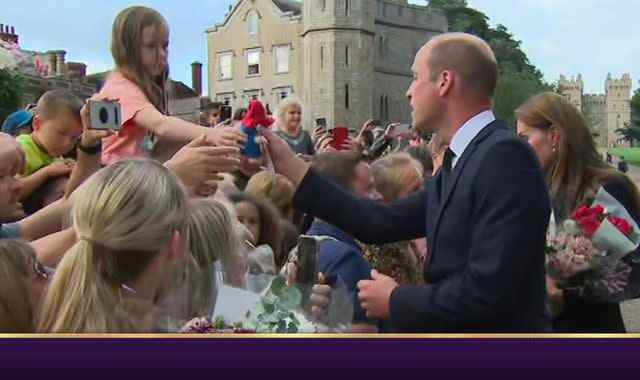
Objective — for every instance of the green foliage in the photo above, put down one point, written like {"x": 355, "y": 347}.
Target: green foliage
{"x": 631, "y": 131}
{"x": 276, "y": 314}
{"x": 512, "y": 91}
{"x": 12, "y": 86}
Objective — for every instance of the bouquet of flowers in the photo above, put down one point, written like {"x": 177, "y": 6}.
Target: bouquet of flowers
{"x": 586, "y": 253}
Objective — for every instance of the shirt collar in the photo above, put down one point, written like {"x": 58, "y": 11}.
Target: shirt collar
{"x": 468, "y": 132}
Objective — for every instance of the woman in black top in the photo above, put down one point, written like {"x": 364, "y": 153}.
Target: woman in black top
{"x": 575, "y": 171}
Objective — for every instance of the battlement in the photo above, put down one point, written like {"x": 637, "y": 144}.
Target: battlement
{"x": 400, "y": 12}
{"x": 571, "y": 84}
{"x": 594, "y": 99}
{"x": 623, "y": 82}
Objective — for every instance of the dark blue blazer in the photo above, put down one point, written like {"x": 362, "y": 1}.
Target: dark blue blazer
{"x": 486, "y": 236}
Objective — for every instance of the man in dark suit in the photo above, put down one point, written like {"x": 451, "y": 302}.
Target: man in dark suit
{"x": 484, "y": 215}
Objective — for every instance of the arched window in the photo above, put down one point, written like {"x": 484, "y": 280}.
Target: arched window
{"x": 253, "y": 21}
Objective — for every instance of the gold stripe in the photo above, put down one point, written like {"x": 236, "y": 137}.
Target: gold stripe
{"x": 322, "y": 336}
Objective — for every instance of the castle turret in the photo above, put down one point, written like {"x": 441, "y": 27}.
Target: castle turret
{"x": 572, "y": 89}
{"x": 339, "y": 74}
{"x": 618, "y": 108}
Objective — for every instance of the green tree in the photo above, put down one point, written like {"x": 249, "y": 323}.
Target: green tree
{"x": 631, "y": 131}
{"x": 12, "y": 86}
{"x": 512, "y": 91}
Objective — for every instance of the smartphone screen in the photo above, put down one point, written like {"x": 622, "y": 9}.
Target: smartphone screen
{"x": 340, "y": 136}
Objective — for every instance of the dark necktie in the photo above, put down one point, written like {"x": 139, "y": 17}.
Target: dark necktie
{"x": 446, "y": 171}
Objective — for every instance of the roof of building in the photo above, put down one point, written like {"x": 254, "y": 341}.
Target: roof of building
{"x": 289, "y": 6}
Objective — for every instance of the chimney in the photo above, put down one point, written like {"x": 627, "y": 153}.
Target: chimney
{"x": 196, "y": 77}
{"x": 77, "y": 70}
{"x": 61, "y": 66}
{"x": 8, "y": 34}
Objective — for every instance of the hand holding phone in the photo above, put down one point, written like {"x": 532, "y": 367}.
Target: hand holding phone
{"x": 105, "y": 115}
{"x": 340, "y": 136}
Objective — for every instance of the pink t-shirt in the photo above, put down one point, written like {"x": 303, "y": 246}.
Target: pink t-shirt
{"x": 130, "y": 141}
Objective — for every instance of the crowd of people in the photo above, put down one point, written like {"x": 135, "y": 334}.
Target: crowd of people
{"x": 438, "y": 228}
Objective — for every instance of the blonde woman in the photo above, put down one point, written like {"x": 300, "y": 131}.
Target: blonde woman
{"x": 276, "y": 188}
{"x": 574, "y": 171}
{"x": 289, "y": 127}
{"x": 279, "y": 190}
{"x": 130, "y": 219}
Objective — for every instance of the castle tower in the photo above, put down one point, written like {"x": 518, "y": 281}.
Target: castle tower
{"x": 572, "y": 89}
{"x": 618, "y": 107}
{"x": 338, "y": 40}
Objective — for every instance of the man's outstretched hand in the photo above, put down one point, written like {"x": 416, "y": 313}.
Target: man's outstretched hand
{"x": 284, "y": 160}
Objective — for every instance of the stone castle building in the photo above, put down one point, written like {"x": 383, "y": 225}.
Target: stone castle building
{"x": 347, "y": 60}
{"x": 44, "y": 71}
{"x": 606, "y": 112}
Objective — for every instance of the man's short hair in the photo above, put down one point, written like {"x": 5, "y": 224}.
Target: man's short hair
{"x": 55, "y": 101}
{"x": 339, "y": 167}
{"x": 467, "y": 55}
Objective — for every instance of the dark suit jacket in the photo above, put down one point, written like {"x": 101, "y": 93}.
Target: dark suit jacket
{"x": 486, "y": 235}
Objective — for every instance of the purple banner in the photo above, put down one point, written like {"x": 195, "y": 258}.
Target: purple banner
{"x": 286, "y": 358}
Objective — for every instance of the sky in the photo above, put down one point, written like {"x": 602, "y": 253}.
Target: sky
{"x": 592, "y": 37}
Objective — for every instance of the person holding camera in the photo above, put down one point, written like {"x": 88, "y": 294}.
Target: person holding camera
{"x": 139, "y": 47}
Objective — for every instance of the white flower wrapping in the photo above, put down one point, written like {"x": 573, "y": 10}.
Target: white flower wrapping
{"x": 608, "y": 237}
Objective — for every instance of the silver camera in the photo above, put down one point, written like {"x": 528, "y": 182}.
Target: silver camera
{"x": 105, "y": 115}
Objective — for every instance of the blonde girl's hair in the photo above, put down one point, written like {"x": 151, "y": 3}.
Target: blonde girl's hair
{"x": 275, "y": 187}
{"x": 212, "y": 235}
{"x": 126, "y": 42}
{"x": 16, "y": 310}
{"x": 392, "y": 172}
{"x": 123, "y": 216}
{"x": 579, "y": 170}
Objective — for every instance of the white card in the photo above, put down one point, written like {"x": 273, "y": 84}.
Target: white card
{"x": 233, "y": 304}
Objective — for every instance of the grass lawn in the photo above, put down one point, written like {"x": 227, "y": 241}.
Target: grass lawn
{"x": 631, "y": 155}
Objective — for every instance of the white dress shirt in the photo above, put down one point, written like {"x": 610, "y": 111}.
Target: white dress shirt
{"x": 468, "y": 132}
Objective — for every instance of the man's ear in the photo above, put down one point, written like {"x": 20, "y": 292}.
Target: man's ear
{"x": 446, "y": 81}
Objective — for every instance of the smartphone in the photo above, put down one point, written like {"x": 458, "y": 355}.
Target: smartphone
{"x": 308, "y": 251}
{"x": 400, "y": 130}
{"x": 105, "y": 115}
{"x": 340, "y": 136}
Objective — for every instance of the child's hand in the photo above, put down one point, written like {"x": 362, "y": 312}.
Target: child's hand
{"x": 59, "y": 168}
{"x": 91, "y": 137}
{"x": 227, "y": 136}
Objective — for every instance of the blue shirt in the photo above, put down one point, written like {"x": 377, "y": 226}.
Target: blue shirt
{"x": 344, "y": 259}
{"x": 10, "y": 231}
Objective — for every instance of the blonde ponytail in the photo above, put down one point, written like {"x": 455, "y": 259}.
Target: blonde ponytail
{"x": 124, "y": 215}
